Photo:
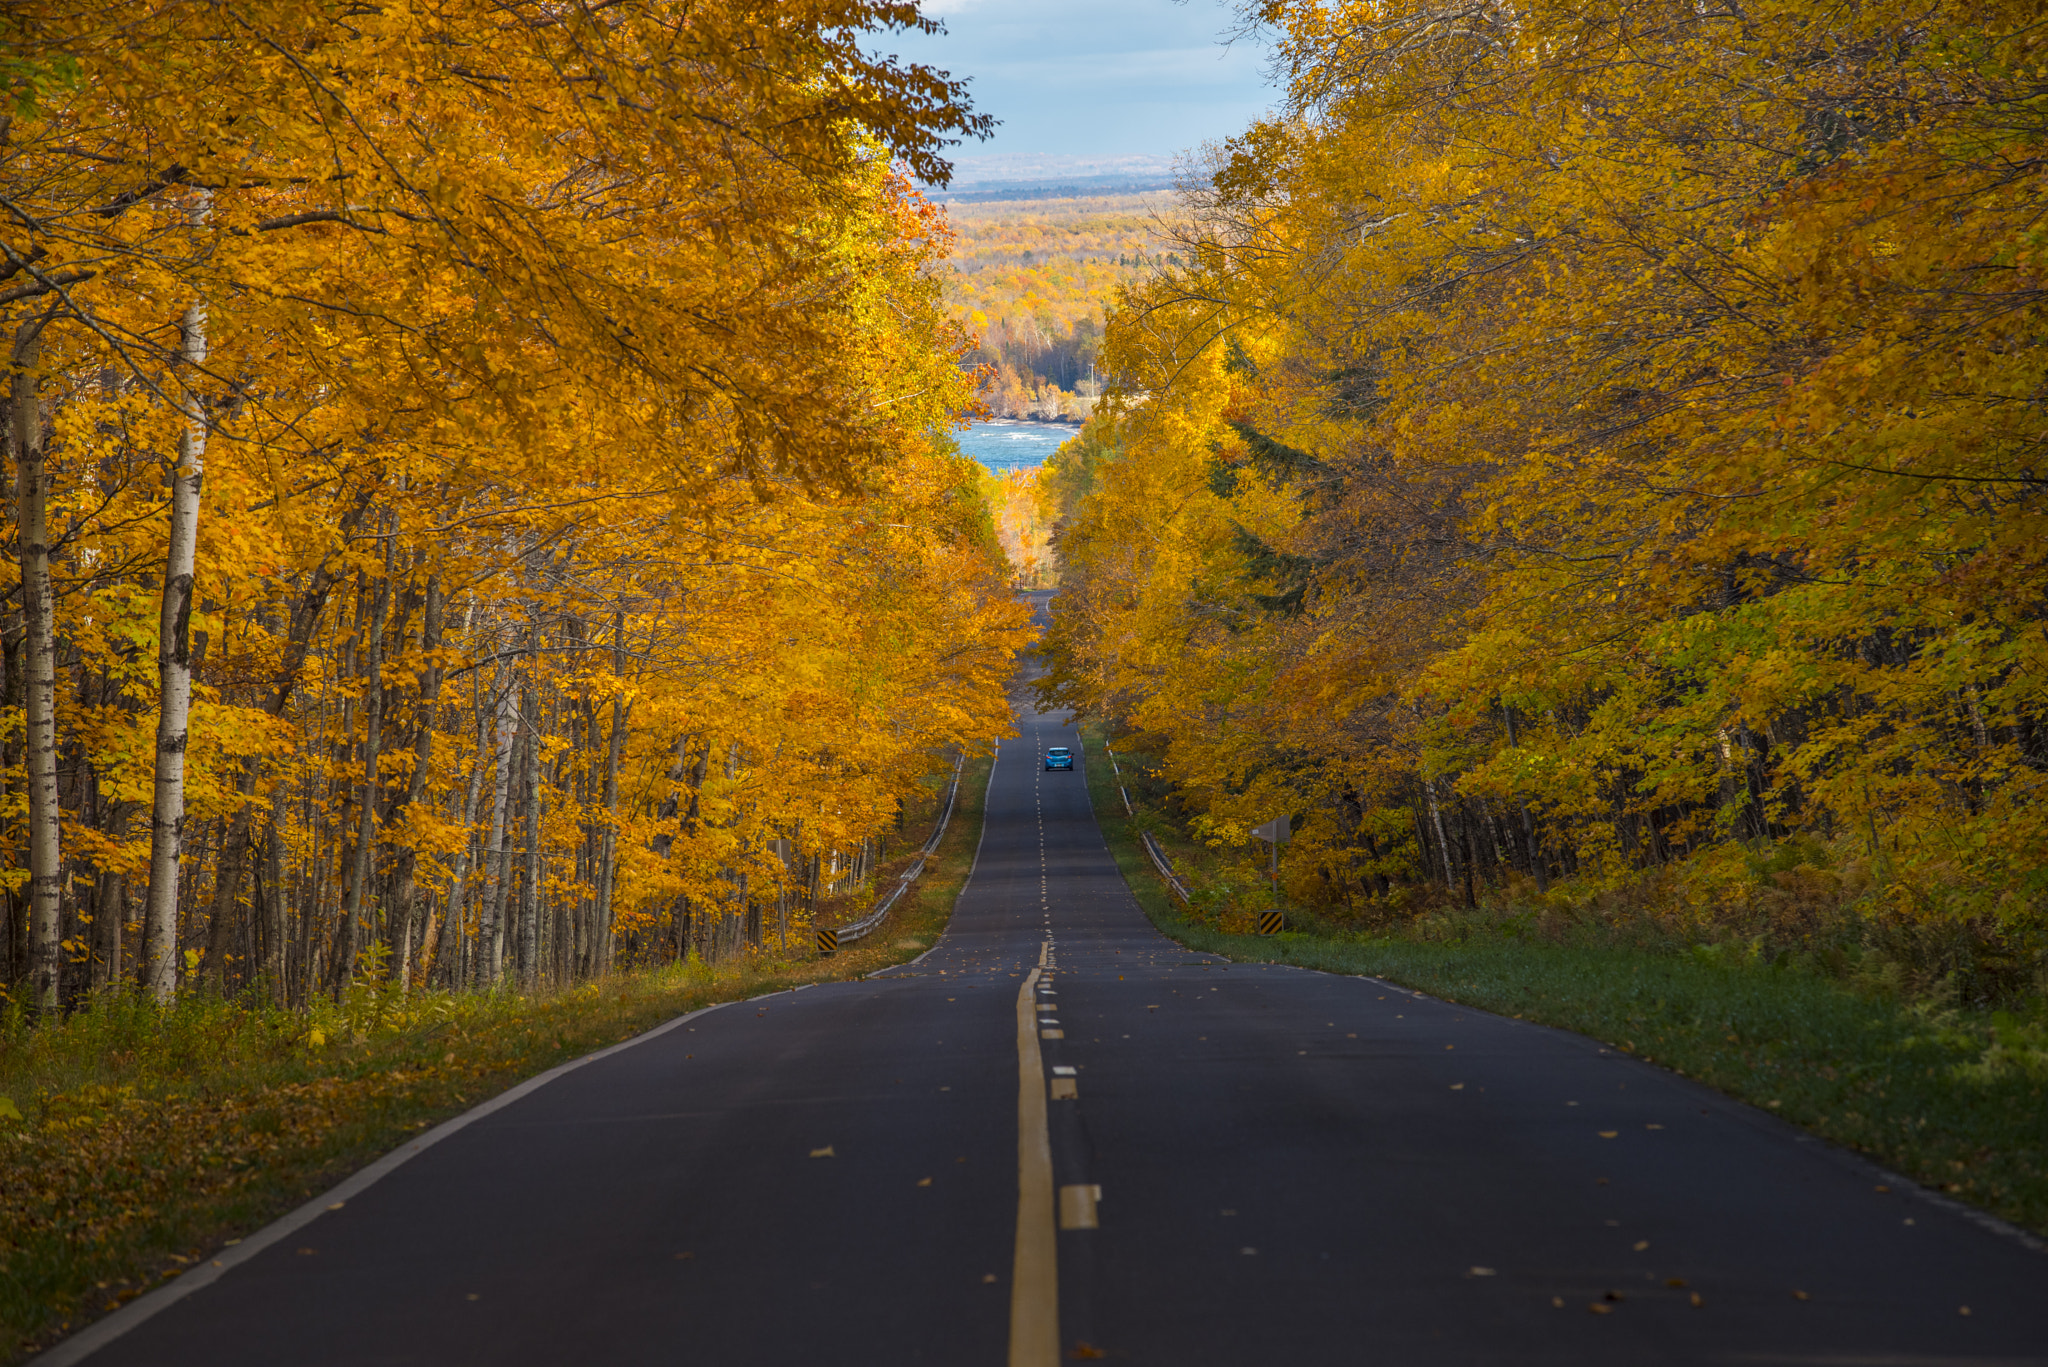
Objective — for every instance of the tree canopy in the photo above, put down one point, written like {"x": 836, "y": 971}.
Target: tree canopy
{"x": 492, "y": 455}
{"x": 1590, "y": 439}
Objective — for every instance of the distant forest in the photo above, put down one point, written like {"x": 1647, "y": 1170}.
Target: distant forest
{"x": 1032, "y": 278}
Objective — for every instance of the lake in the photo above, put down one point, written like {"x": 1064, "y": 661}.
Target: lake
{"x": 1006, "y": 444}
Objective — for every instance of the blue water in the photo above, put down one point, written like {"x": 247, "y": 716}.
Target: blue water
{"x": 1006, "y": 444}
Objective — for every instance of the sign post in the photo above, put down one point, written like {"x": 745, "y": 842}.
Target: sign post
{"x": 1276, "y": 834}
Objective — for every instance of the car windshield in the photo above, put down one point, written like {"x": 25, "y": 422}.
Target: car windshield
{"x": 1057, "y": 750}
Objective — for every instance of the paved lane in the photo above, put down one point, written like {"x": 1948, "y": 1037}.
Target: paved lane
{"x": 1294, "y": 1168}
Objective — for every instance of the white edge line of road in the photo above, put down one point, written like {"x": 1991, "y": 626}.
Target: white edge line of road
{"x": 100, "y": 1333}
{"x": 978, "y": 841}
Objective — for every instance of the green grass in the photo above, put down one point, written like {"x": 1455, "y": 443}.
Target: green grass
{"x": 145, "y": 1139}
{"x": 1956, "y": 1100}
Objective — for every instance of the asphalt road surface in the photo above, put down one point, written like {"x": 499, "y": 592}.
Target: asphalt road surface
{"x": 1255, "y": 1166}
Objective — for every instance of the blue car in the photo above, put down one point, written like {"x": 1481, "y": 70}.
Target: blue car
{"x": 1059, "y": 757}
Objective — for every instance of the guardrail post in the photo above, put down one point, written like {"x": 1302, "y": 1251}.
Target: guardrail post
{"x": 828, "y": 941}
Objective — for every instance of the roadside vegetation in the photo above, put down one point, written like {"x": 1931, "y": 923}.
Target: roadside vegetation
{"x": 1583, "y": 473}
{"x": 135, "y": 1140}
{"x": 377, "y": 603}
{"x": 1951, "y": 1095}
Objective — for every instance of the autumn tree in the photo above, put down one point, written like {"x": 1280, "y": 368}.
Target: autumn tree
{"x": 1600, "y": 438}
{"x": 395, "y": 385}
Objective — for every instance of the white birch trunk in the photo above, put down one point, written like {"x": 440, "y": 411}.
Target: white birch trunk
{"x": 1442, "y": 841}
{"x": 39, "y": 674}
{"x": 174, "y": 671}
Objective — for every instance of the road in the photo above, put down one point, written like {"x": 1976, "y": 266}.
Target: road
{"x": 1294, "y": 1168}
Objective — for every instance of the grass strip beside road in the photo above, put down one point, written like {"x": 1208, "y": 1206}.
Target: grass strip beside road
{"x": 1909, "y": 1087}
{"x": 148, "y": 1139}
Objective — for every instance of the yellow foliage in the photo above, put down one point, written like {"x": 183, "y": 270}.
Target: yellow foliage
{"x": 1583, "y": 436}
{"x": 576, "y": 508}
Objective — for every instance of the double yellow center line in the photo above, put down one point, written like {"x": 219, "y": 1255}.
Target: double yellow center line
{"x": 1034, "y": 1277}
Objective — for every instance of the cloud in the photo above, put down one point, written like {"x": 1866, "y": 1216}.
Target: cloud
{"x": 1089, "y": 78}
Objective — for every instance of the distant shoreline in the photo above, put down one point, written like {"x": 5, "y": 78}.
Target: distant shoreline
{"x": 991, "y": 192}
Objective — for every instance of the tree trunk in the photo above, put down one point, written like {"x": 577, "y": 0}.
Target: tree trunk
{"x": 529, "y": 885}
{"x": 353, "y": 913}
{"x": 174, "y": 675}
{"x": 1536, "y": 860}
{"x": 1443, "y": 843}
{"x": 109, "y": 909}
{"x": 39, "y": 673}
{"x": 405, "y": 887}
{"x": 275, "y": 960}
{"x": 608, "y": 843}
{"x": 227, "y": 884}
{"x": 451, "y": 917}
{"x": 491, "y": 933}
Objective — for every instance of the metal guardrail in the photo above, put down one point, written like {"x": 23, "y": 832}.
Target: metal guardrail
{"x": 873, "y": 920}
{"x": 1174, "y": 884}
{"x": 1121, "y": 792}
{"x": 1159, "y": 861}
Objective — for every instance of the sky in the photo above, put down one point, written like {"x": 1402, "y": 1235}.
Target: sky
{"x": 1074, "y": 81}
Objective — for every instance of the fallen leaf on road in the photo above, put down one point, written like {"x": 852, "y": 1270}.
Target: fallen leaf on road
{"x": 1642, "y": 1244}
{"x": 1086, "y": 1350}
{"x": 681, "y": 1256}
{"x": 1597, "y": 1308}
{"x": 825, "y": 1152}
{"x": 1609, "y": 1134}
{"x": 1482, "y": 1272}
{"x": 924, "y": 1181}
{"x": 1697, "y": 1301}
{"x": 1800, "y": 1296}
{"x": 1962, "y": 1310}
{"x": 1674, "y": 1281}
{"x": 1457, "y": 1086}
{"x": 1557, "y": 1301}
{"x": 987, "y": 1278}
